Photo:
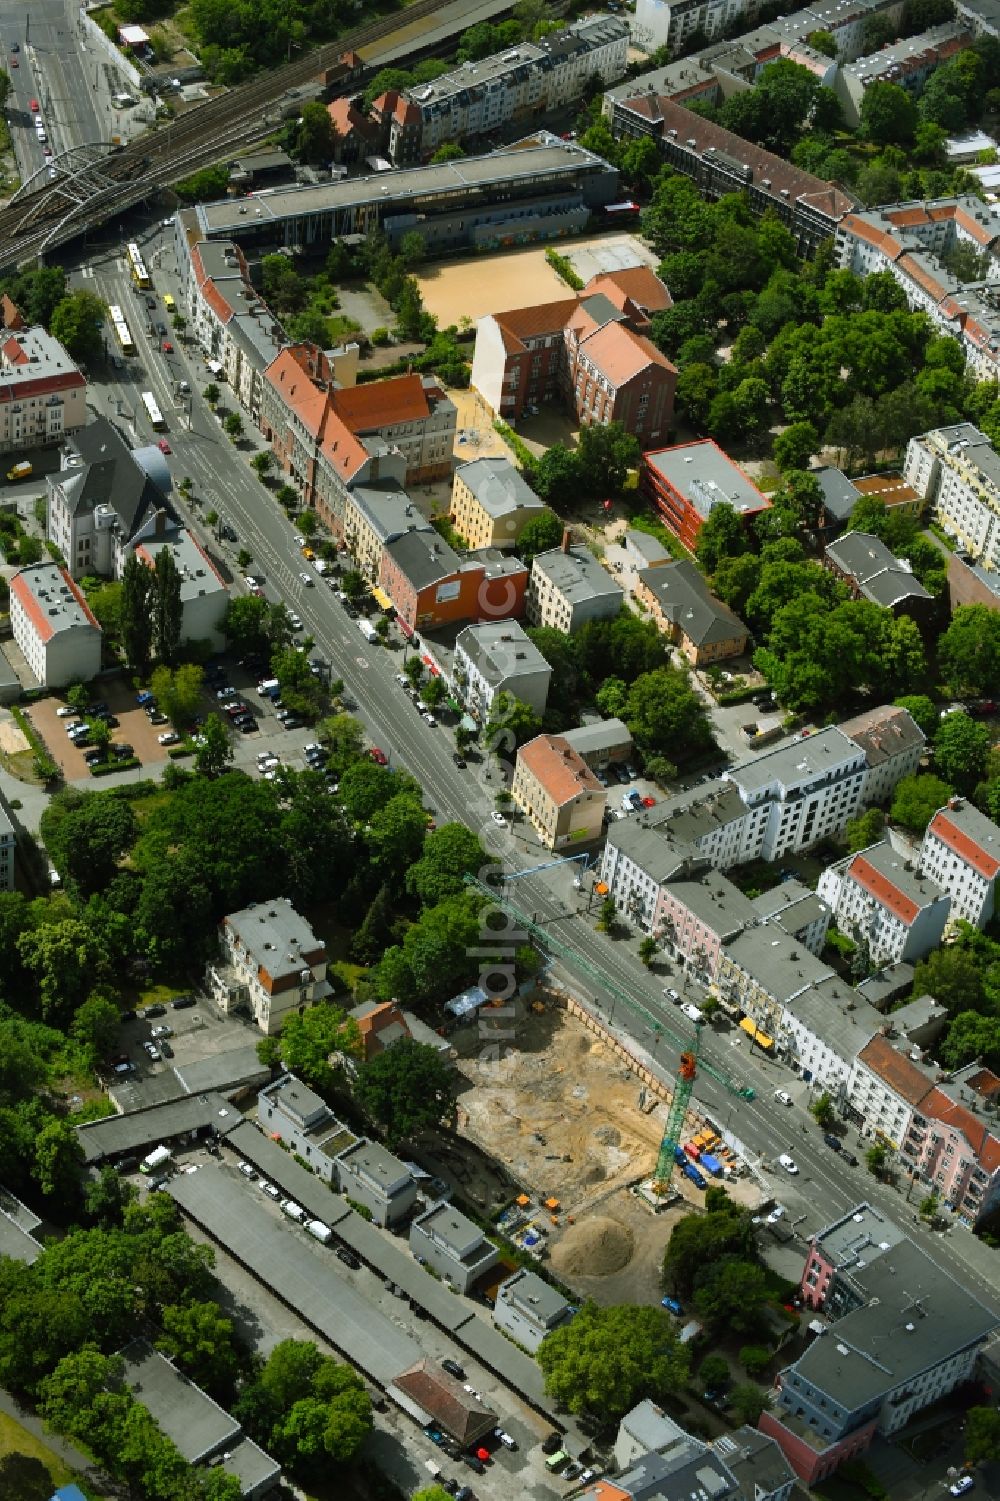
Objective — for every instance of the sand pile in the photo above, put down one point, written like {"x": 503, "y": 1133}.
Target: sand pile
{"x": 595, "y": 1247}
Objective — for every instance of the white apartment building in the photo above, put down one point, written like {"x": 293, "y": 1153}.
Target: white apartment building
{"x": 497, "y": 657}
{"x": 885, "y": 1088}
{"x": 478, "y": 97}
{"x": 893, "y": 744}
{"x": 957, "y": 470}
{"x": 568, "y": 586}
{"x": 878, "y": 899}
{"x": 43, "y": 396}
{"x": 54, "y": 626}
{"x": 795, "y": 795}
{"x": 272, "y": 964}
{"x": 204, "y": 594}
{"x": 961, "y": 852}
{"x": 669, "y": 23}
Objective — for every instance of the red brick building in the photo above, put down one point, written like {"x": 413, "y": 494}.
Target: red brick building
{"x": 684, "y": 484}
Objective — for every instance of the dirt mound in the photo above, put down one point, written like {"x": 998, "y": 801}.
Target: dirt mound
{"x": 596, "y": 1247}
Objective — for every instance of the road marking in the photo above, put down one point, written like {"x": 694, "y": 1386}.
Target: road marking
{"x": 362, "y": 662}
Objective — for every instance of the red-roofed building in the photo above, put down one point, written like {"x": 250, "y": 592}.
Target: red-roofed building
{"x": 589, "y": 351}
{"x": 356, "y": 134}
{"x": 43, "y": 396}
{"x": 558, "y": 793}
{"x": 961, "y": 852}
{"x": 412, "y": 413}
{"x": 54, "y": 626}
{"x": 10, "y": 314}
{"x": 881, "y": 901}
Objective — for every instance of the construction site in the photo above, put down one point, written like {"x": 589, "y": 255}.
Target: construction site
{"x": 569, "y": 1120}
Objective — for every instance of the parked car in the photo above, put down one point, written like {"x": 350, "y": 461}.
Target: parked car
{"x": 962, "y": 1484}
{"x": 348, "y": 1258}
{"x": 179, "y": 1003}
{"x": 169, "y": 737}
{"x": 156, "y": 1010}
{"x": 552, "y": 1444}
{"x": 454, "y": 1369}
{"x": 671, "y": 994}
{"x": 833, "y": 1142}
{"x": 782, "y": 1096}
{"x": 672, "y": 1305}
{"x": 788, "y": 1164}
{"x": 162, "y": 1031}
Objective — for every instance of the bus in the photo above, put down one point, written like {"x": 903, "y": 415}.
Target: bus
{"x": 169, "y": 303}
{"x": 153, "y": 412}
{"x": 120, "y": 327}
{"x": 137, "y": 267}
{"x": 621, "y": 213}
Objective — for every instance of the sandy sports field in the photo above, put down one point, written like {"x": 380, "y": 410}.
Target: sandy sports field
{"x": 519, "y": 278}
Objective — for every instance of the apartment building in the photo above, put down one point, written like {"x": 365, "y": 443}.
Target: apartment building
{"x": 497, "y": 657}
{"x": 957, "y": 470}
{"x": 54, "y": 626}
{"x": 908, "y": 64}
{"x": 568, "y": 586}
{"x": 687, "y": 482}
{"x": 43, "y": 396}
{"x": 600, "y": 742}
{"x": 882, "y": 902}
{"x": 656, "y": 1458}
{"x": 720, "y": 162}
{"x": 372, "y": 1176}
{"x": 218, "y": 298}
{"x": 528, "y": 1308}
{"x": 961, "y": 853}
{"x": 452, "y": 1246}
{"x": 797, "y": 911}
{"x": 525, "y": 80}
{"x": 871, "y": 572}
{"x": 589, "y": 351}
{"x": 908, "y": 1336}
{"x": 271, "y": 963}
{"x": 101, "y": 502}
{"x": 492, "y": 503}
{"x": 411, "y": 413}
{"x": 671, "y": 23}
{"x": 290, "y": 1111}
{"x": 688, "y": 613}
{"x": 907, "y": 239}
{"x": 431, "y": 585}
{"x": 558, "y": 793}
{"x": 204, "y": 592}
{"x": 885, "y": 1090}
{"x": 893, "y": 745}
{"x": 374, "y": 516}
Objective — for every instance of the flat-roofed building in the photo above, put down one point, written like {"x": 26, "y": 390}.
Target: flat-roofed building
{"x": 893, "y": 744}
{"x": 204, "y": 593}
{"x": 528, "y": 1308}
{"x": 568, "y": 586}
{"x": 293, "y": 1113}
{"x": 43, "y": 396}
{"x": 452, "y": 1246}
{"x": 370, "y": 1174}
{"x": 956, "y": 470}
{"x": 687, "y": 482}
{"x": 54, "y": 626}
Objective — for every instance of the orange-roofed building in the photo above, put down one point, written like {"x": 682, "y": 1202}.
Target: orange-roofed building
{"x": 43, "y": 396}
{"x": 589, "y": 351}
{"x": 356, "y": 134}
{"x": 54, "y": 626}
{"x": 879, "y": 899}
{"x": 412, "y": 413}
{"x": 961, "y": 852}
{"x": 558, "y": 793}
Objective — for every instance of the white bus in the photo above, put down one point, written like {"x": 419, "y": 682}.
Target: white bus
{"x": 121, "y": 330}
{"x": 153, "y": 412}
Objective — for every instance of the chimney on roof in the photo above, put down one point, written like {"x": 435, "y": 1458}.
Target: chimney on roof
{"x": 954, "y": 802}
{"x": 567, "y": 538}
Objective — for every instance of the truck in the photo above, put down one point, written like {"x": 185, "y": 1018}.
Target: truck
{"x": 693, "y": 1175}
{"x": 764, "y": 730}
{"x": 294, "y": 1211}
{"x": 20, "y": 471}
{"x": 319, "y": 1231}
{"x": 158, "y": 1157}
{"x": 269, "y": 688}
{"x": 367, "y": 629}
{"x": 711, "y": 1164}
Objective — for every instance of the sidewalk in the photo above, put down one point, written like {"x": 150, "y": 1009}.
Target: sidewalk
{"x": 59, "y": 1446}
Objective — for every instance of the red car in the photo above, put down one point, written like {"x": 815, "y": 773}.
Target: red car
{"x": 649, "y": 802}
{"x": 379, "y": 756}
{"x": 167, "y": 347}
{"x": 33, "y": 106}
{"x": 163, "y": 445}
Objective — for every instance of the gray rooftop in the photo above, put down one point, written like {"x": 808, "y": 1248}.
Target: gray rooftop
{"x": 915, "y": 1317}
{"x": 190, "y": 1419}
{"x": 498, "y": 485}
{"x": 660, "y": 839}
{"x": 57, "y": 597}
{"x": 453, "y": 1229}
{"x": 792, "y": 906}
{"x": 649, "y": 547}
{"x": 251, "y": 1465}
{"x": 423, "y": 557}
{"x": 973, "y": 447}
{"x": 305, "y": 1275}
{"x": 17, "y": 1242}
{"x": 839, "y": 495}
{"x": 388, "y": 510}
{"x": 119, "y": 1135}
{"x": 577, "y": 574}
{"x": 901, "y": 873}
{"x": 197, "y": 573}
{"x": 377, "y": 1163}
{"x": 483, "y": 174}
{"x": 886, "y": 984}
{"x": 603, "y": 734}
{"x": 101, "y": 470}
{"x": 781, "y": 965}
{"x": 756, "y": 1461}
{"x": 837, "y": 1015}
{"x": 859, "y": 1237}
{"x": 297, "y": 1099}
{"x": 688, "y": 1469}
{"x": 223, "y": 1072}
{"x": 501, "y": 650}
{"x": 875, "y": 66}
{"x": 789, "y": 765}
{"x": 275, "y": 936}
{"x": 715, "y": 901}
{"x": 649, "y": 1425}
{"x": 883, "y": 732}
{"x": 705, "y": 477}
{"x": 688, "y": 603}
{"x": 536, "y": 1298}
{"x": 880, "y": 576}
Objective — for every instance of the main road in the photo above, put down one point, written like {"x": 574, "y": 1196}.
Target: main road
{"x": 222, "y": 479}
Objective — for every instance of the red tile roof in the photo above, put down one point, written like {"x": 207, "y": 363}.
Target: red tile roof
{"x": 446, "y": 1400}
{"x": 288, "y": 374}
{"x": 639, "y": 286}
{"x": 895, "y": 1070}
{"x": 345, "y": 453}
{"x": 621, "y": 354}
{"x": 963, "y": 846}
{"x": 382, "y": 403}
{"x": 10, "y": 313}
{"x": 939, "y": 1107}
{"x": 35, "y": 611}
{"x": 883, "y": 890}
{"x": 518, "y": 324}
{"x": 559, "y": 770}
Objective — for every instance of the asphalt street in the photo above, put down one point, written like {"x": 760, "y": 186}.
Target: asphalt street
{"x": 223, "y": 480}
{"x": 56, "y": 67}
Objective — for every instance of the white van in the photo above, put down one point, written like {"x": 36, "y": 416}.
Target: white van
{"x": 367, "y": 629}
{"x": 319, "y": 1231}
{"x": 294, "y": 1211}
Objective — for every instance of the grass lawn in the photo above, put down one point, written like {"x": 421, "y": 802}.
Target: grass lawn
{"x": 338, "y": 946}
{"x": 29, "y": 1471}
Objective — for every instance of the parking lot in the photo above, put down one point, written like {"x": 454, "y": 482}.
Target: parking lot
{"x": 133, "y": 728}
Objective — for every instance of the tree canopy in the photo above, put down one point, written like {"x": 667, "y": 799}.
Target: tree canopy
{"x": 406, "y": 1089}
{"x": 607, "y": 1359}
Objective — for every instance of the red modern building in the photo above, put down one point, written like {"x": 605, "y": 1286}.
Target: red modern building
{"x": 685, "y": 482}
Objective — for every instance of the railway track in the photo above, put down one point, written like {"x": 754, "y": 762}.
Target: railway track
{"x": 197, "y": 139}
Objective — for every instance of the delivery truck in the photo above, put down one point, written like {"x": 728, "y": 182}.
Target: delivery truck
{"x": 158, "y": 1157}
{"x": 20, "y": 471}
{"x": 764, "y": 731}
{"x": 320, "y": 1231}
{"x": 367, "y": 629}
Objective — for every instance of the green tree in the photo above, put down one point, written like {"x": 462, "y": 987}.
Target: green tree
{"x": 722, "y": 535}
{"x": 245, "y": 622}
{"x": 215, "y": 753}
{"x": 58, "y": 1159}
{"x": 542, "y": 533}
{"x": 747, "y": 1401}
{"x": 212, "y": 395}
{"x": 434, "y": 690}
{"x": 395, "y": 836}
{"x": 375, "y": 934}
{"x": 86, "y": 834}
{"x": 665, "y": 715}
{"x": 923, "y": 711}
{"x": 606, "y": 453}
{"x": 795, "y": 446}
{"x": 316, "y": 138}
{"x": 648, "y": 950}
{"x": 233, "y": 426}
{"x": 982, "y": 1435}
{"x": 972, "y": 1036}
{"x": 888, "y": 115}
{"x": 969, "y": 650}
{"x": 95, "y": 1025}
{"x": 77, "y": 322}
{"x": 952, "y": 975}
{"x": 308, "y": 1040}
{"x": 106, "y": 1197}
{"x": 406, "y": 1089}
{"x": 200, "y": 1339}
{"x": 450, "y": 151}
{"x": 697, "y": 1242}
{"x": 823, "y": 41}
{"x": 731, "y": 1294}
{"x": 136, "y": 618}
{"x": 961, "y": 748}
{"x": 822, "y": 1111}
{"x": 557, "y": 477}
{"x": 511, "y": 723}
{"x": 865, "y": 830}
{"x": 607, "y": 1359}
{"x": 66, "y": 958}
{"x": 754, "y": 1359}
{"x": 449, "y": 854}
{"x": 179, "y": 691}
{"x": 714, "y": 1372}
{"x": 168, "y": 609}
{"x": 261, "y": 464}
{"x": 917, "y": 798}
